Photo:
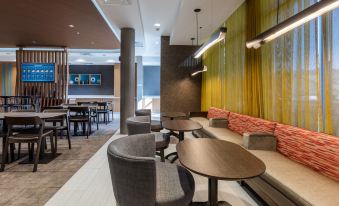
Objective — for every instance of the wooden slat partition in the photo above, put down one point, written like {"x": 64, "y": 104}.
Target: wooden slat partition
{"x": 50, "y": 93}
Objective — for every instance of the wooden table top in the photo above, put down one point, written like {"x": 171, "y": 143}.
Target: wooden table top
{"x": 181, "y": 125}
{"x": 31, "y": 114}
{"x": 173, "y": 114}
{"x": 219, "y": 159}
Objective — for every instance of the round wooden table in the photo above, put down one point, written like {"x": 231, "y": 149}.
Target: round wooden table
{"x": 173, "y": 115}
{"x": 218, "y": 160}
{"x": 180, "y": 126}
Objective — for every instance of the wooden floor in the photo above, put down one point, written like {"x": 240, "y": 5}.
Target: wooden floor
{"x": 20, "y": 186}
{"x": 91, "y": 185}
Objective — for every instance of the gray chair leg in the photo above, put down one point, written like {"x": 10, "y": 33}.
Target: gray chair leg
{"x": 4, "y": 156}
{"x": 37, "y": 155}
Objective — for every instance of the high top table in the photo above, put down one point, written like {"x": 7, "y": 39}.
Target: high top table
{"x": 181, "y": 126}
{"x": 218, "y": 160}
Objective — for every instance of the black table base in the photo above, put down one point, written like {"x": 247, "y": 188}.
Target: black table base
{"x": 212, "y": 195}
{"x": 181, "y": 137}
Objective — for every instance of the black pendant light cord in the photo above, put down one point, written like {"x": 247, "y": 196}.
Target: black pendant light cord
{"x": 197, "y": 21}
{"x": 278, "y": 7}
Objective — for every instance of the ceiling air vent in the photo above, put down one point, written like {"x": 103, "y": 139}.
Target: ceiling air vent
{"x": 117, "y": 2}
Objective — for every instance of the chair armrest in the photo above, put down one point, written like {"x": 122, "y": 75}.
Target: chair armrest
{"x": 218, "y": 122}
{"x": 260, "y": 141}
{"x": 197, "y": 114}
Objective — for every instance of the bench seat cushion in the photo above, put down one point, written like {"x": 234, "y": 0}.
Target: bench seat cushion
{"x": 298, "y": 181}
{"x": 316, "y": 150}
{"x": 220, "y": 133}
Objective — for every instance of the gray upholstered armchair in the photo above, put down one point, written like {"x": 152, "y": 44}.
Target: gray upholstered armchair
{"x": 142, "y": 125}
{"x": 155, "y": 125}
{"x": 139, "y": 180}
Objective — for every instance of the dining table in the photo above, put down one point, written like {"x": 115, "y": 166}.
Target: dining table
{"x": 218, "y": 160}
{"x": 180, "y": 126}
{"x": 173, "y": 115}
{"x": 43, "y": 116}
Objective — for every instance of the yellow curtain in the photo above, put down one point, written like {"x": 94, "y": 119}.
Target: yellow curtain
{"x": 223, "y": 81}
{"x": 292, "y": 80}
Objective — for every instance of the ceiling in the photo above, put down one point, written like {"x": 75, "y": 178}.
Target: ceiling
{"x": 213, "y": 14}
{"x": 47, "y": 23}
{"x": 176, "y": 19}
{"x": 100, "y": 21}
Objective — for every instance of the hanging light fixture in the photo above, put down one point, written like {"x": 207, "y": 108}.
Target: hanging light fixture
{"x": 299, "y": 19}
{"x": 215, "y": 38}
{"x": 200, "y": 71}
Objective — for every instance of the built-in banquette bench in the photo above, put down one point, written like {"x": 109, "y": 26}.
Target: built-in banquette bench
{"x": 304, "y": 169}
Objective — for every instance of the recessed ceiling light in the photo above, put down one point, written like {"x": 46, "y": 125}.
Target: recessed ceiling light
{"x": 92, "y": 42}
{"x": 78, "y": 33}
{"x": 156, "y": 42}
{"x": 80, "y": 60}
{"x": 157, "y": 25}
{"x": 110, "y": 61}
{"x": 71, "y": 26}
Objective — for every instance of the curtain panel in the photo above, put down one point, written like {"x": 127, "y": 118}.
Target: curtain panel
{"x": 293, "y": 80}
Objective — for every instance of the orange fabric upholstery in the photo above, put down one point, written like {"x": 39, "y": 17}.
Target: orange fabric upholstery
{"x": 316, "y": 150}
{"x": 257, "y": 125}
{"x": 214, "y": 112}
{"x": 238, "y": 123}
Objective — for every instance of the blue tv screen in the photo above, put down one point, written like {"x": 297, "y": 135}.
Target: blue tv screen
{"x": 38, "y": 72}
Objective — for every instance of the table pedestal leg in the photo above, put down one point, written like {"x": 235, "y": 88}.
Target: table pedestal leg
{"x": 181, "y": 137}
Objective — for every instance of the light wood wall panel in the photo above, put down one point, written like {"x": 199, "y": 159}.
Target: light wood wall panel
{"x": 57, "y": 90}
{"x": 116, "y": 101}
{"x": 7, "y": 78}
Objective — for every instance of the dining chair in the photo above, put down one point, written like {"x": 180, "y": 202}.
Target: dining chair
{"x": 138, "y": 179}
{"x": 142, "y": 125}
{"x": 103, "y": 110}
{"x": 155, "y": 124}
{"x": 31, "y": 136}
{"x": 94, "y": 115}
{"x": 80, "y": 114}
{"x": 59, "y": 124}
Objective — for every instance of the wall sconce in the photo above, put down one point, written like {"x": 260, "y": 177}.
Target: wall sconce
{"x": 299, "y": 19}
{"x": 215, "y": 38}
{"x": 200, "y": 71}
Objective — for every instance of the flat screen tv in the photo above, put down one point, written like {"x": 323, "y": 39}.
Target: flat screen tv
{"x": 38, "y": 72}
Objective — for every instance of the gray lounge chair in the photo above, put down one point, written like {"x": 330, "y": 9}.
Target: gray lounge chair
{"x": 139, "y": 180}
{"x": 141, "y": 125}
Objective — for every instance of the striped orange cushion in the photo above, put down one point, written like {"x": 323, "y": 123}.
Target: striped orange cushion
{"x": 238, "y": 123}
{"x": 257, "y": 125}
{"x": 316, "y": 150}
{"x": 214, "y": 112}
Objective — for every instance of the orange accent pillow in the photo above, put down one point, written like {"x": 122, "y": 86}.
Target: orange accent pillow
{"x": 316, "y": 150}
{"x": 214, "y": 112}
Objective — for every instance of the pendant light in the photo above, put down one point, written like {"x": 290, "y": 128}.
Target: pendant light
{"x": 214, "y": 39}
{"x": 289, "y": 24}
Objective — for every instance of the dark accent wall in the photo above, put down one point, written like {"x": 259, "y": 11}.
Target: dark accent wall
{"x": 107, "y": 80}
{"x": 178, "y": 90}
{"x": 151, "y": 81}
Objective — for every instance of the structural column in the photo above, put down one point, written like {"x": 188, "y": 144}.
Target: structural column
{"x": 127, "y": 59}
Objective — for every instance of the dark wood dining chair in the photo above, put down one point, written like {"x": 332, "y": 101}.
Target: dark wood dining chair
{"x": 80, "y": 114}
{"x": 37, "y": 134}
{"x": 60, "y": 124}
{"x": 103, "y": 110}
{"x": 93, "y": 107}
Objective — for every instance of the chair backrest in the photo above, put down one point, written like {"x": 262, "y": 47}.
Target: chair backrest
{"x": 23, "y": 121}
{"x": 138, "y": 125}
{"x": 133, "y": 171}
{"x": 79, "y": 109}
{"x": 143, "y": 112}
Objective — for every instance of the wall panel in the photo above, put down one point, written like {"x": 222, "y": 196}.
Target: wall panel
{"x": 57, "y": 90}
{"x": 7, "y": 78}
